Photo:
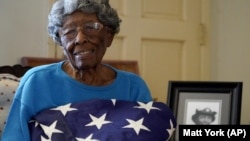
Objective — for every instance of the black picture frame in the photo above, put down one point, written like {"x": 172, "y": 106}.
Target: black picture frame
{"x": 187, "y": 99}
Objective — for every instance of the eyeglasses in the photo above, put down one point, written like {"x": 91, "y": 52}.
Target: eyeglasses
{"x": 89, "y": 29}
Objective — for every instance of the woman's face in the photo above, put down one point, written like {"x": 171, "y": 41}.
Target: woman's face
{"x": 84, "y": 39}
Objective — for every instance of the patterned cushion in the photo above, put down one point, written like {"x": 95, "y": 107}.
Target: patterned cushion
{"x": 8, "y": 85}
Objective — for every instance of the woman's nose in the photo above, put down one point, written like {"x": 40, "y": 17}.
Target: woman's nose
{"x": 80, "y": 38}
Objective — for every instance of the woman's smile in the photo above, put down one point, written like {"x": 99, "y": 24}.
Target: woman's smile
{"x": 84, "y": 54}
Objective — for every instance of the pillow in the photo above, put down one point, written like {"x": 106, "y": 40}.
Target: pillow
{"x": 104, "y": 120}
{"x": 8, "y": 85}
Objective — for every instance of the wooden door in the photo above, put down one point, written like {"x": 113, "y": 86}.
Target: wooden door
{"x": 167, "y": 38}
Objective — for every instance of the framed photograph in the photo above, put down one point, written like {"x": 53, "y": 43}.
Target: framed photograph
{"x": 205, "y": 102}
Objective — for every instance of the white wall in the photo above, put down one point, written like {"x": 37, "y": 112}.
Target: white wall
{"x": 231, "y": 46}
{"x": 23, "y": 30}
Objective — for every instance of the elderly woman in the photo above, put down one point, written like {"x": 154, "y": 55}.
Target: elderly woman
{"x": 84, "y": 29}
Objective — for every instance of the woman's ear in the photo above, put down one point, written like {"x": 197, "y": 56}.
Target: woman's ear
{"x": 110, "y": 38}
{"x": 58, "y": 39}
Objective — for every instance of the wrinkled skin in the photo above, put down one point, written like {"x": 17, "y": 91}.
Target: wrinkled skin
{"x": 85, "y": 52}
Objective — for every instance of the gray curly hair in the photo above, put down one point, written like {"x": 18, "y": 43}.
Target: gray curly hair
{"x": 105, "y": 14}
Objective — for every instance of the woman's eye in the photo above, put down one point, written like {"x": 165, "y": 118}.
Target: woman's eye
{"x": 71, "y": 32}
{"x": 92, "y": 28}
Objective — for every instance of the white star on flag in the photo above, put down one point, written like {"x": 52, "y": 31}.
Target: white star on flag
{"x": 171, "y": 130}
{"x": 49, "y": 130}
{"x": 113, "y": 101}
{"x": 147, "y": 106}
{"x": 36, "y": 123}
{"x": 44, "y": 139}
{"x": 64, "y": 109}
{"x": 89, "y": 138}
{"x": 136, "y": 125}
{"x": 98, "y": 122}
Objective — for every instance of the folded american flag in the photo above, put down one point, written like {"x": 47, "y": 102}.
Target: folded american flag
{"x": 104, "y": 120}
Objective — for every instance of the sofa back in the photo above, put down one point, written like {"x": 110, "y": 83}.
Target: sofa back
{"x": 9, "y": 79}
